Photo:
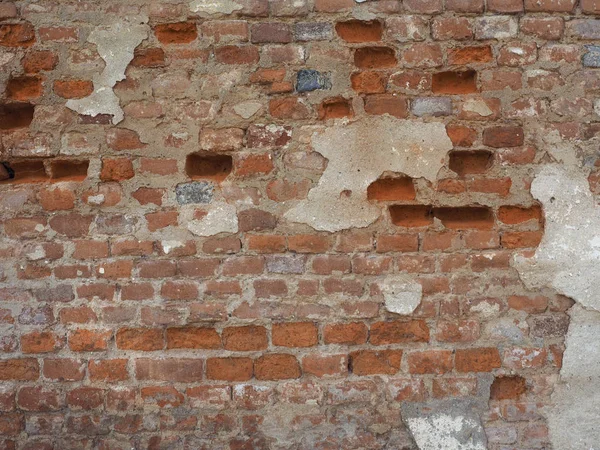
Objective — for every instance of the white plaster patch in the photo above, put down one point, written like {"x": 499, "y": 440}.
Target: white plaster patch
{"x": 221, "y": 218}
{"x": 37, "y": 253}
{"x": 115, "y": 43}
{"x": 169, "y": 246}
{"x": 359, "y": 153}
{"x": 445, "y": 432}
{"x": 96, "y": 199}
{"x": 401, "y": 294}
{"x": 214, "y": 6}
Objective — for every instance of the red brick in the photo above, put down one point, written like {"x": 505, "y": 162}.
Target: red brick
{"x": 276, "y": 366}
{"x": 64, "y": 369}
{"x": 550, "y": 5}
{"x": 325, "y": 365}
{"x": 25, "y": 369}
{"x": 178, "y": 370}
{"x": 299, "y": 334}
{"x": 192, "y": 337}
{"x": 477, "y": 359}
{"x": 430, "y": 361}
{"x": 245, "y": 338}
{"x": 89, "y": 340}
{"x": 145, "y": 339}
{"x": 176, "y": 33}
{"x": 355, "y": 31}
{"x": 383, "y": 333}
{"x": 38, "y": 61}
{"x": 73, "y": 88}
{"x": 232, "y": 54}
{"x": 17, "y": 35}
{"x": 229, "y": 369}
{"x": 368, "y": 362}
{"x": 108, "y": 370}
{"x": 24, "y": 88}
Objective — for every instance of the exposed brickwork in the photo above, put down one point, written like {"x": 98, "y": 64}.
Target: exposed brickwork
{"x": 121, "y": 328}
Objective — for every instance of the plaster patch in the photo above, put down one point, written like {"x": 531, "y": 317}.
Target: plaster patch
{"x": 401, "y": 294}
{"x": 568, "y": 257}
{"x": 442, "y": 431}
{"x": 220, "y": 218}
{"x": 115, "y": 43}
{"x": 576, "y": 399}
{"x": 214, "y": 6}
{"x": 359, "y": 153}
{"x": 567, "y": 260}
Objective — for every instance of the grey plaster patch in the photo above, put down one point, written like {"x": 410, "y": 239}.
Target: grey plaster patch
{"x": 576, "y": 398}
{"x": 221, "y": 217}
{"x": 401, "y": 294}
{"x": 567, "y": 260}
{"x": 450, "y": 424}
{"x": 194, "y": 192}
{"x": 448, "y": 432}
{"x": 568, "y": 257}
{"x": 311, "y": 80}
{"x": 359, "y": 153}
{"x": 115, "y": 43}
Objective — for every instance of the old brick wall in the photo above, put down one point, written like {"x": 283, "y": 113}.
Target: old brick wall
{"x": 153, "y": 292}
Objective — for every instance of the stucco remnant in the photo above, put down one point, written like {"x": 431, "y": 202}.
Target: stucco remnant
{"x": 442, "y": 431}
{"x": 359, "y": 153}
{"x": 211, "y": 7}
{"x": 402, "y": 295}
{"x": 450, "y": 424}
{"x": 568, "y": 256}
{"x": 567, "y": 260}
{"x": 115, "y": 43}
{"x": 221, "y": 217}
{"x": 576, "y": 398}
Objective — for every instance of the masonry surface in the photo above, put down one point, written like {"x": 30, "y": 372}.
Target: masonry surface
{"x": 299, "y": 224}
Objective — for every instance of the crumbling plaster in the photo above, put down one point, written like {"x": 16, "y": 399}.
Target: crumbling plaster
{"x": 358, "y": 154}
{"x": 567, "y": 261}
{"x": 116, "y": 44}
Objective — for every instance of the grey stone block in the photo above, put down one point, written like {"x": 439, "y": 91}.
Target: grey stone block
{"x": 194, "y": 192}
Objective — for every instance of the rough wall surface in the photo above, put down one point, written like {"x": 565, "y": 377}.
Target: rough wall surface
{"x": 299, "y": 224}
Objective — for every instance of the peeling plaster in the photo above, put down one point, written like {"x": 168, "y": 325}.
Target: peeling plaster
{"x": 359, "y": 153}
{"x": 450, "y": 424}
{"x": 401, "y": 294}
{"x": 568, "y": 256}
{"x": 116, "y": 44}
{"x": 567, "y": 260}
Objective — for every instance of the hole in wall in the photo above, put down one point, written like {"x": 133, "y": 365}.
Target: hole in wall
{"x": 15, "y": 115}
{"x": 391, "y": 189}
{"x": 208, "y": 167}
{"x": 68, "y": 170}
{"x": 470, "y": 162}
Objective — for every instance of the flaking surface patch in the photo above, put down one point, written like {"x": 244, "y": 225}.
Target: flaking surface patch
{"x": 568, "y": 257}
{"x": 359, "y": 153}
{"x": 567, "y": 260}
{"x": 116, "y": 44}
